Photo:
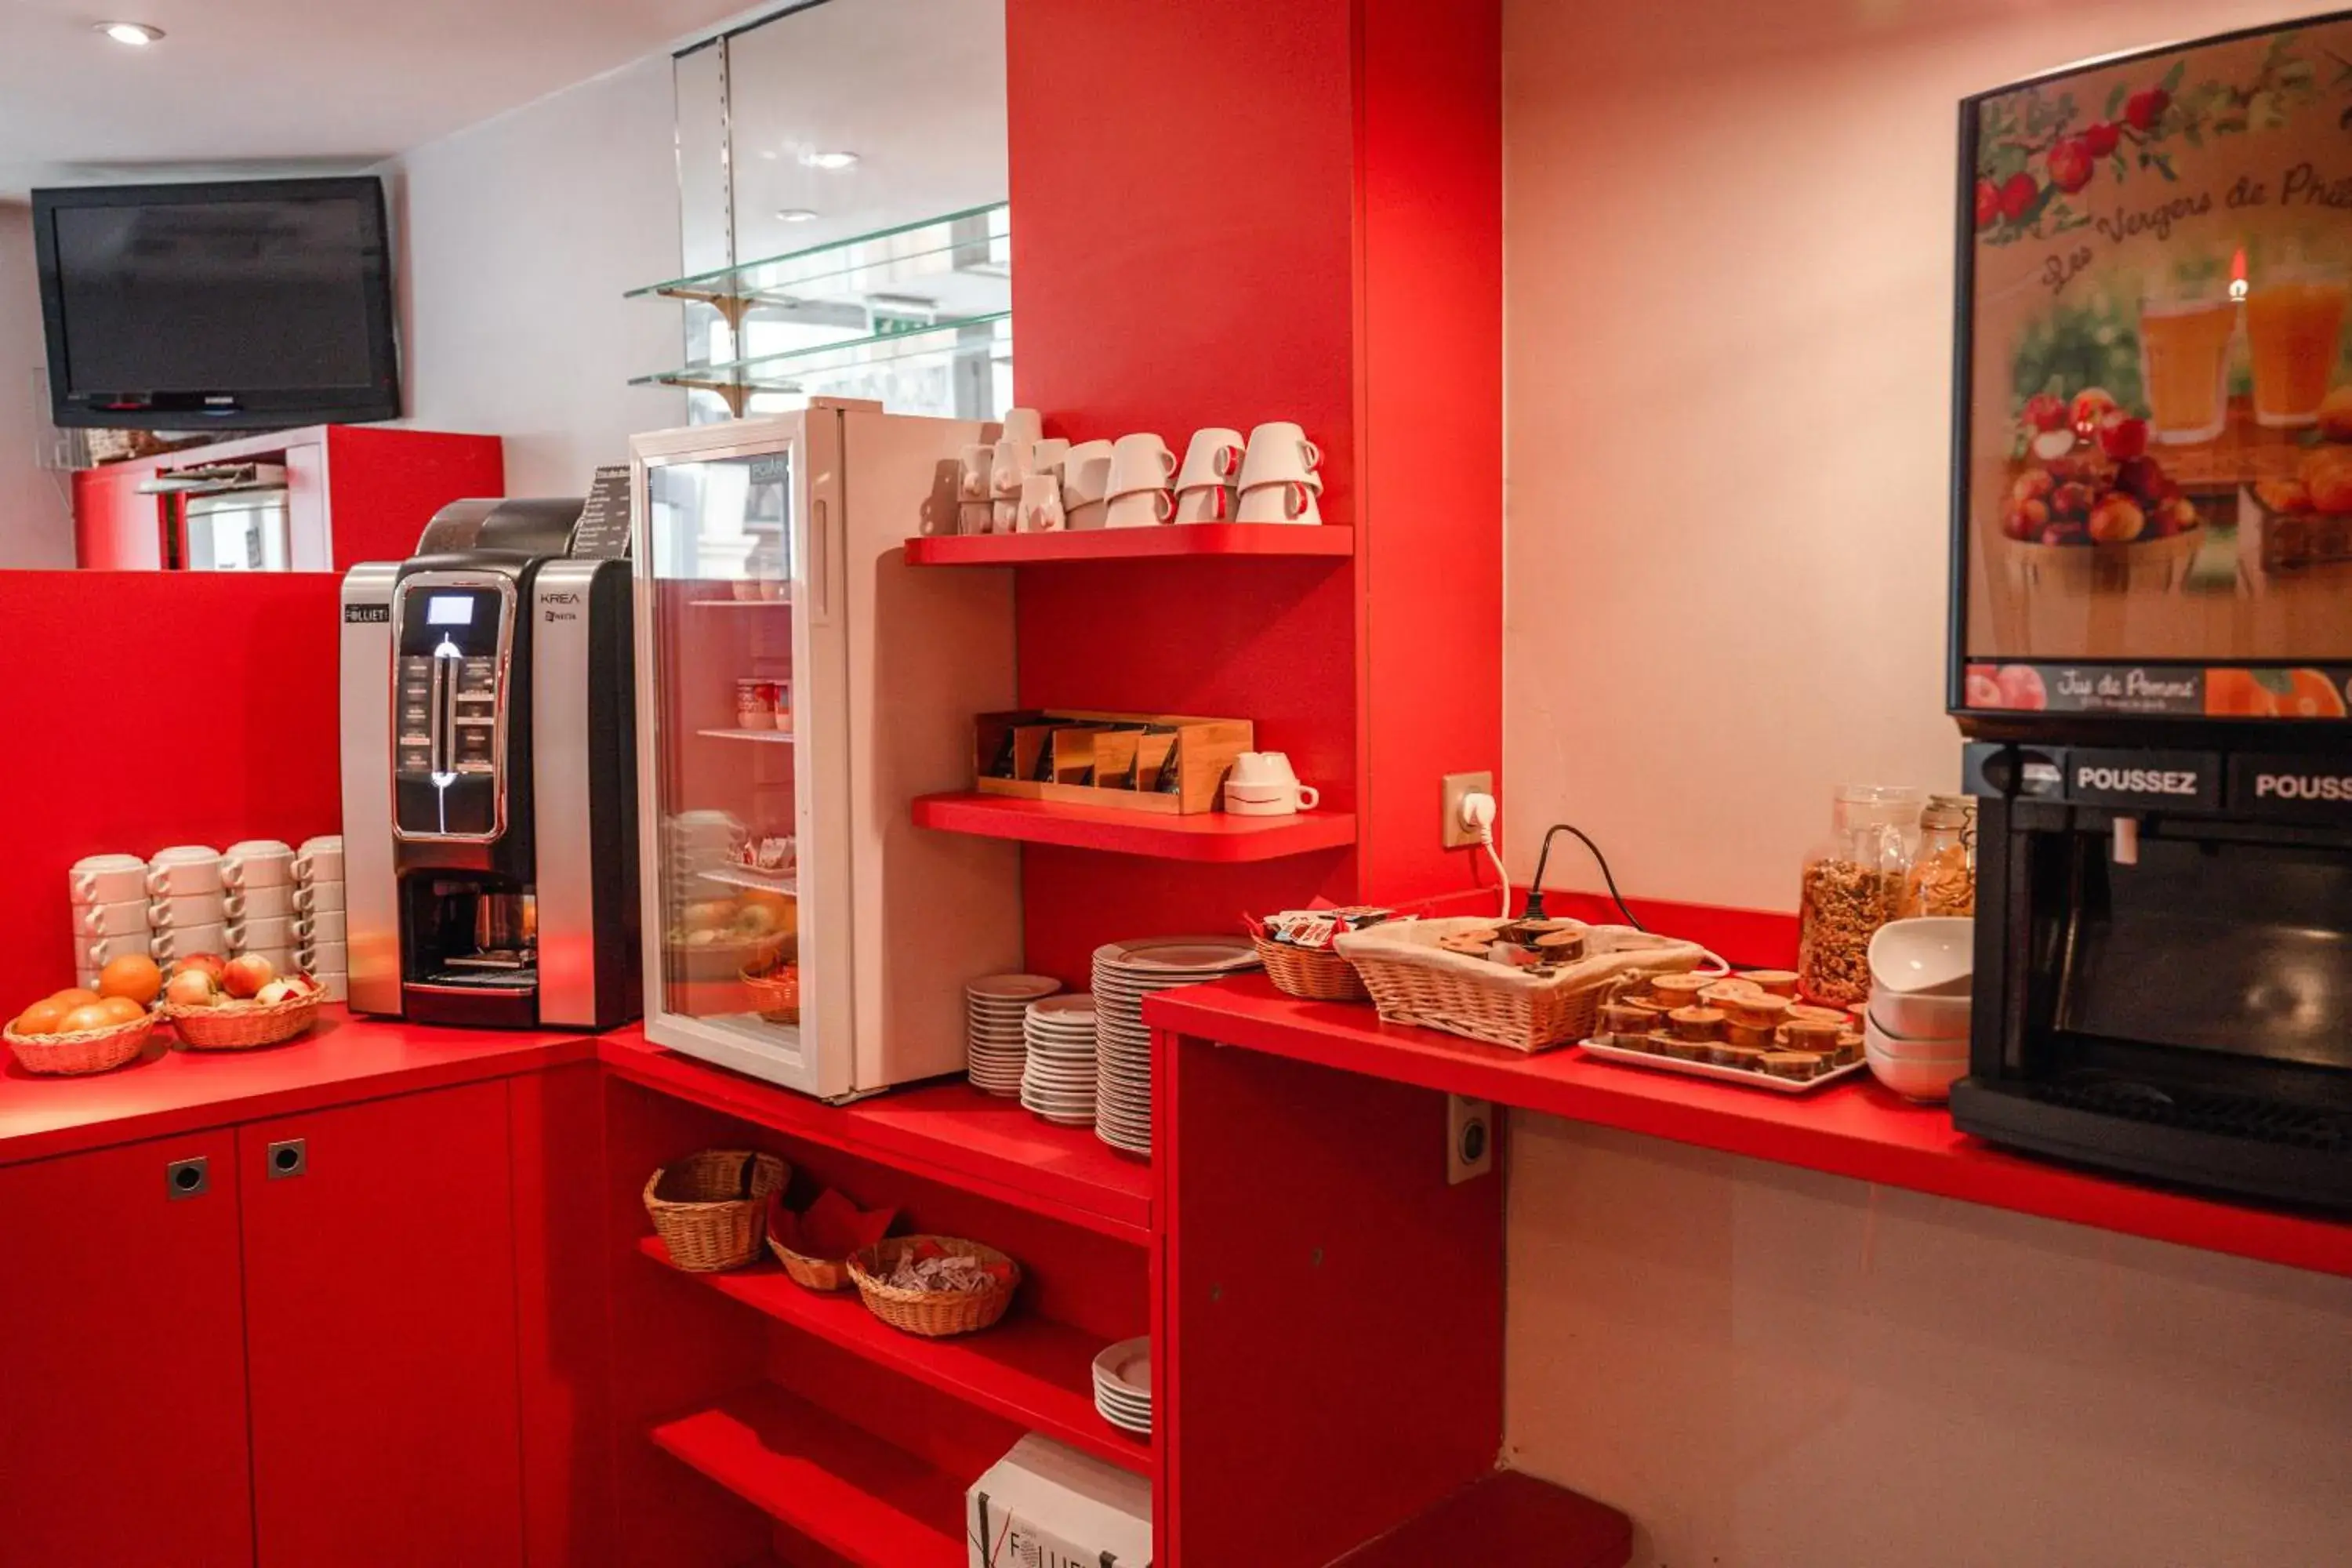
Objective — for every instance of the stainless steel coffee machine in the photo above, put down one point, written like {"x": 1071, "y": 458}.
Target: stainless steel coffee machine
{"x": 490, "y": 789}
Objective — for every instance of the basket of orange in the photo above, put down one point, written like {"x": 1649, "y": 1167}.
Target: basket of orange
{"x": 79, "y": 1030}
{"x": 237, "y": 1003}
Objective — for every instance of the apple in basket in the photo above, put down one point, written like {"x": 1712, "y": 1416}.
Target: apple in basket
{"x": 246, "y": 974}
{"x": 191, "y": 988}
{"x": 211, "y": 965}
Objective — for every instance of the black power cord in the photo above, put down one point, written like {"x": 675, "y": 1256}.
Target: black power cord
{"x": 1535, "y": 905}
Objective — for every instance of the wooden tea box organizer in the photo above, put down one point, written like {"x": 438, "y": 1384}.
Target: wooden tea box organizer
{"x": 1080, "y": 757}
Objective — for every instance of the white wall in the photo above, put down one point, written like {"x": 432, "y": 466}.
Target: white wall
{"x": 35, "y": 517}
{"x": 518, "y": 238}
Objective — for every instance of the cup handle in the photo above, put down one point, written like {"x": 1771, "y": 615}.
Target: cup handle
{"x": 1220, "y": 505}
{"x": 301, "y": 868}
{"x": 1163, "y": 505}
{"x": 1309, "y": 797}
{"x": 1228, "y": 462}
{"x": 232, "y": 874}
{"x": 156, "y": 883}
{"x": 1293, "y": 498}
{"x": 84, "y": 887}
{"x": 1310, "y": 453}
{"x": 1167, "y": 462}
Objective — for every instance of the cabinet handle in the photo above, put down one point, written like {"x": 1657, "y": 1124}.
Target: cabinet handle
{"x": 288, "y": 1157}
{"x": 188, "y": 1178}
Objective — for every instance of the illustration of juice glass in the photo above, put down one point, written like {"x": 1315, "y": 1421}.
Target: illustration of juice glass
{"x": 2294, "y": 324}
{"x": 2184, "y": 360}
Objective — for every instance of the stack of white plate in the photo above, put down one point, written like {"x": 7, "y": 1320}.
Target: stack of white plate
{"x": 1058, "y": 1081}
{"x": 1123, "y": 1386}
{"x": 996, "y": 1041}
{"x": 1125, "y": 973}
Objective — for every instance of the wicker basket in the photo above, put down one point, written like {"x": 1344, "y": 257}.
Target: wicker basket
{"x": 776, "y": 996}
{"x": 85, "y": 1051}
{"x": 711, "y": 1209}
{"x": 932, "y": 1313}
{"x": 241, "y": 1028}
{"x": 1411, "y": 981}
{"x": 815, "y": 1273}
{"x": 1311, "y": 974}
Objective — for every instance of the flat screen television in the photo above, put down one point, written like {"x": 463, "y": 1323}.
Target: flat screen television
{"x": 2152, "y": 423}
{"x": 242, "y": 305}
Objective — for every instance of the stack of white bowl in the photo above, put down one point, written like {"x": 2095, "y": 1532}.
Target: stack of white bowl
{"x": 321, "y": 939}
{"x": 1921, "y": 976}
{"x": 186, "y": 903}
{"x": 109, "y": 912}
{"x": 258, "y": 876}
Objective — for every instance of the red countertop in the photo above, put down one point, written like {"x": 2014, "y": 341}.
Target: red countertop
{"x": 343, "y": 1058}
{"x": 1856, "y": 1129}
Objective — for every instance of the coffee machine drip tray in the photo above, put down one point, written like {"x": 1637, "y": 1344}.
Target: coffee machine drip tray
{"x": 486, "y": 972}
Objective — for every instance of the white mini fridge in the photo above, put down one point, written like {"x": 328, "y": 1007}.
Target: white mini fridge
{"x": 798, "y": 685}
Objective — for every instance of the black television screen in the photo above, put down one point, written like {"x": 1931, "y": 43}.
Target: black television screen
{"x": 244, "y": 305}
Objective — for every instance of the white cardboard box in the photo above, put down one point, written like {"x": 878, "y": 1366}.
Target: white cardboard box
{"x": 1044, "y": 1505}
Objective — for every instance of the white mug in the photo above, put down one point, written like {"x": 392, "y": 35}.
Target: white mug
{"x": 1008, "y": 469}
{"x": 975, "y": 517}
{"x": 1287, "y": 501}
{"x": 318, "y": 896}
{"x": 1140, "y": 462}
{"x": 327, "y": 925}
{"x": 1085, "y": 514}
{"x": 1006, "y": 518}
{"x": 1261, "y": 768}
{"x": 1085, "y": 473}
{"x": 1023, "y": 425}
{"x": 1271, "y": 800}
{"x": 192, "y": 909}
{"x": 1047, "y": 456}
{"x": 1040, "y": 504}
{"x": 187, "y": 941}
{"x": 320, "y": 860}
{"x": 1214, "y": 458}
{"x": 1205, "y": 503}
{"x": 99, "y": 951}
{"x": 333, "y": 956}
{"x": 107, "y": 879}
{"x": 182, "y": 870}
{"x": 972, "y": 466}
{"x": 253, "y": 903}
{"x": 112, "y": 919}
{"x": 1140, "y": 509}
{"x": 268, "y": 934}
{"x": 256, "y": 863}
{"x": 1280, "y": 450}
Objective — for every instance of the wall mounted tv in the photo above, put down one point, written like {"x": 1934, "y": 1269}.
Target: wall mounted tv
{"x": 244, "y": 305}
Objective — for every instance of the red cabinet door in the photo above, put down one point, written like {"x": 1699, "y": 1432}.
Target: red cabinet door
{"x": 116, "y": 529}
{"x": 123, "y": 1435}
{"x": 379, "y": 1320}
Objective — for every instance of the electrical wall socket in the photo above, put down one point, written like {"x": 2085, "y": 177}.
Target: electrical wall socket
{"x": 1469, "y": 1139}
{"x": 1456, "y": 785}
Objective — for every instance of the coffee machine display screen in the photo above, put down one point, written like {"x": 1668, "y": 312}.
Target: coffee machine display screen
{"x": 449, "y": 610}
{"x": 449, "y": 706}
{"x": 2153, "y": 413}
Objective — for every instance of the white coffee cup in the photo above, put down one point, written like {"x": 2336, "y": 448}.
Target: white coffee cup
{"x": 268, "y": 934}
{"x": 254, "y": 903}
{"x": 1205, "y": 503}
{"x": 1280, "y": 450}
{"x": 1140, "y": 509}
{"x": 191, "y": 910}
{"x": 972, "y": 466}
{"x": 1140, "y": 462}
{"x": 1006, "y": 514}
{"x": 1085, "y": 473}
{"x": 320, "y": 860}
{"x": 256, "y": 863}
{"x": 327, "y": 925}
{"x": 1009, "y": 469}
{"x": 1040, "y": 504}
{"x": 187, "y": 941}
{"x": 107, "y": 879}
{"x": 98, "y": 952}
{"x": 975, "y": 517}
{"x": 1285, "y": 501}
{"x": 182, "y": 870}
{"x": 1023, "y": 425}
{"x": 318, "y": 896}
{"x": 1261, "y": 768}
{"x": 1271, "y": 800}
{"x": 112, "y": 919}
{"x": 1085, "y": 514}
{"x": 1213, "y": 457}
{"x": 331, "y": 955}
{"x": 1047, "y": 456}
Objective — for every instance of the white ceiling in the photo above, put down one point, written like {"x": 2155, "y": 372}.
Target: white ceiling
{"x": 263, "y": 87}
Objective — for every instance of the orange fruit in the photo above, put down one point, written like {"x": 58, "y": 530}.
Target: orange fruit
{"x": 2238, "y": 694}
{"x": 91, "y": 1015}
{"x": 73, "y": 996}
{"x": 2310, "y": 695}
{"x": 134, "y": 975}
{"x": 121, "y": 1009}
{"x": 41, "y": 1017}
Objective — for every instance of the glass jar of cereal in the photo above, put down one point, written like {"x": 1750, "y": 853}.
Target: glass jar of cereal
{"x": 1853, "y": 883}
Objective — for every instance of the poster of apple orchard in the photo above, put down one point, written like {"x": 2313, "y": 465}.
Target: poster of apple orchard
{"x": 2159, "y": 417}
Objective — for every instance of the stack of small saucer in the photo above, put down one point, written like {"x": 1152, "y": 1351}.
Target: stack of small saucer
{"x": 1125, "y": 973}
{"x": 996, "y": 1045}
{"x": 1058, "y": 1081}
{"x": 1123, "y": 1386}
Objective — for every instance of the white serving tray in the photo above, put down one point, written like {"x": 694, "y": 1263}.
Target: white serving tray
{"x": 1740, "y": 1076}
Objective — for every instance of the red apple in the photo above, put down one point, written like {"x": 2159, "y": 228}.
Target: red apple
{"x": 2118, "y": 519}
{"x": 277, "y": 990}
{"x": 1988, "y": 203}
{"x": 2145, "y": 107}
{"x": 189, "y": 988}
{"x": 2045, "y": 412}
{"x": 2091, "y": 404}
{"x": 2070, "y": 164}
{"x": 247, "y": 973}
{"x": 2101, "y": 137}
{"x": 210, "y": 964}
{"x": 2121, "y": 436}
{"x": 2020, "y": 686}
{"x": 2017, "y": 194}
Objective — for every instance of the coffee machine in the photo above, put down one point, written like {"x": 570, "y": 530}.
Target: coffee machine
{"x": 489, "y": 791}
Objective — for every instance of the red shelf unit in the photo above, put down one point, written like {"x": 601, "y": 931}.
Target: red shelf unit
{"x": 839, "y": 1485}
{"x": 1330, "y": 540}
{"x": 1212, "y": 836}
{"x": 1027, "y": 1369}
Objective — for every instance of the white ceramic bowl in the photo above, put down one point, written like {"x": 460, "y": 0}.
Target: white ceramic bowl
{"x": 1932, "y": 956}
{"x": 1924, "y": 1077}
{"x": 1921, "y": 1015}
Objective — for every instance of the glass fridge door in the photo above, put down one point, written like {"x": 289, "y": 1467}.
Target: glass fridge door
{"x": 724, "y": 788}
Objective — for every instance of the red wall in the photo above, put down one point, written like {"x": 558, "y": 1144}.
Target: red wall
{"x": 144, "y": 708}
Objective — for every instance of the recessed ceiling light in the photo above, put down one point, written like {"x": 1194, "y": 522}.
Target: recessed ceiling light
{"x": 828, "y": 160}
{"x": 796, "y": 215}
{"x": 138, "y": 35}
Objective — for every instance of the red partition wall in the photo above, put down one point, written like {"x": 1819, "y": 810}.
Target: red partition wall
{"x": 154, "y": 708}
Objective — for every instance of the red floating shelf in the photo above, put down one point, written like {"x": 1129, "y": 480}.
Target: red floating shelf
{"x": 1208, "y": 835}
{"x": 837, "y": 1483}
{"x": 1326, "y": 540}
{"x": 1030, "y": 1370}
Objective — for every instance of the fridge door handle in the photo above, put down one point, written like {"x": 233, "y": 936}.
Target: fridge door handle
{"x": 820, "y": 560}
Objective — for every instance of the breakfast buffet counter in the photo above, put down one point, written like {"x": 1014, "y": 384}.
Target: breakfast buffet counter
{"x": 1857, "y": 1128}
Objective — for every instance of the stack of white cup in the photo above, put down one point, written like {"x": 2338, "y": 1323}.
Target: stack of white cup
{"x": 109, "y": 912}
{"x": 323, "y": 941}
{"x": 258, "y": 875}
{"x": 186, "y": 904}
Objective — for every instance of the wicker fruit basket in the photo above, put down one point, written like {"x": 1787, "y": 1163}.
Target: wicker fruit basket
{"x": 1311, "y": 974}
{"x": 775, "y": 995}
{"x": 1412, "y": 981}
{"x": 711, "y": 1209}
{"x": 932, "y": 1313}
{"x": 813, "y": 1273}
{"x": 84, "y": 1051}
{"x": 242, "y": 1025}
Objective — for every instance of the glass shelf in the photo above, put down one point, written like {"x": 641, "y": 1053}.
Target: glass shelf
{"x": 786, "y": 370}
{"x": 966, "y": 254}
